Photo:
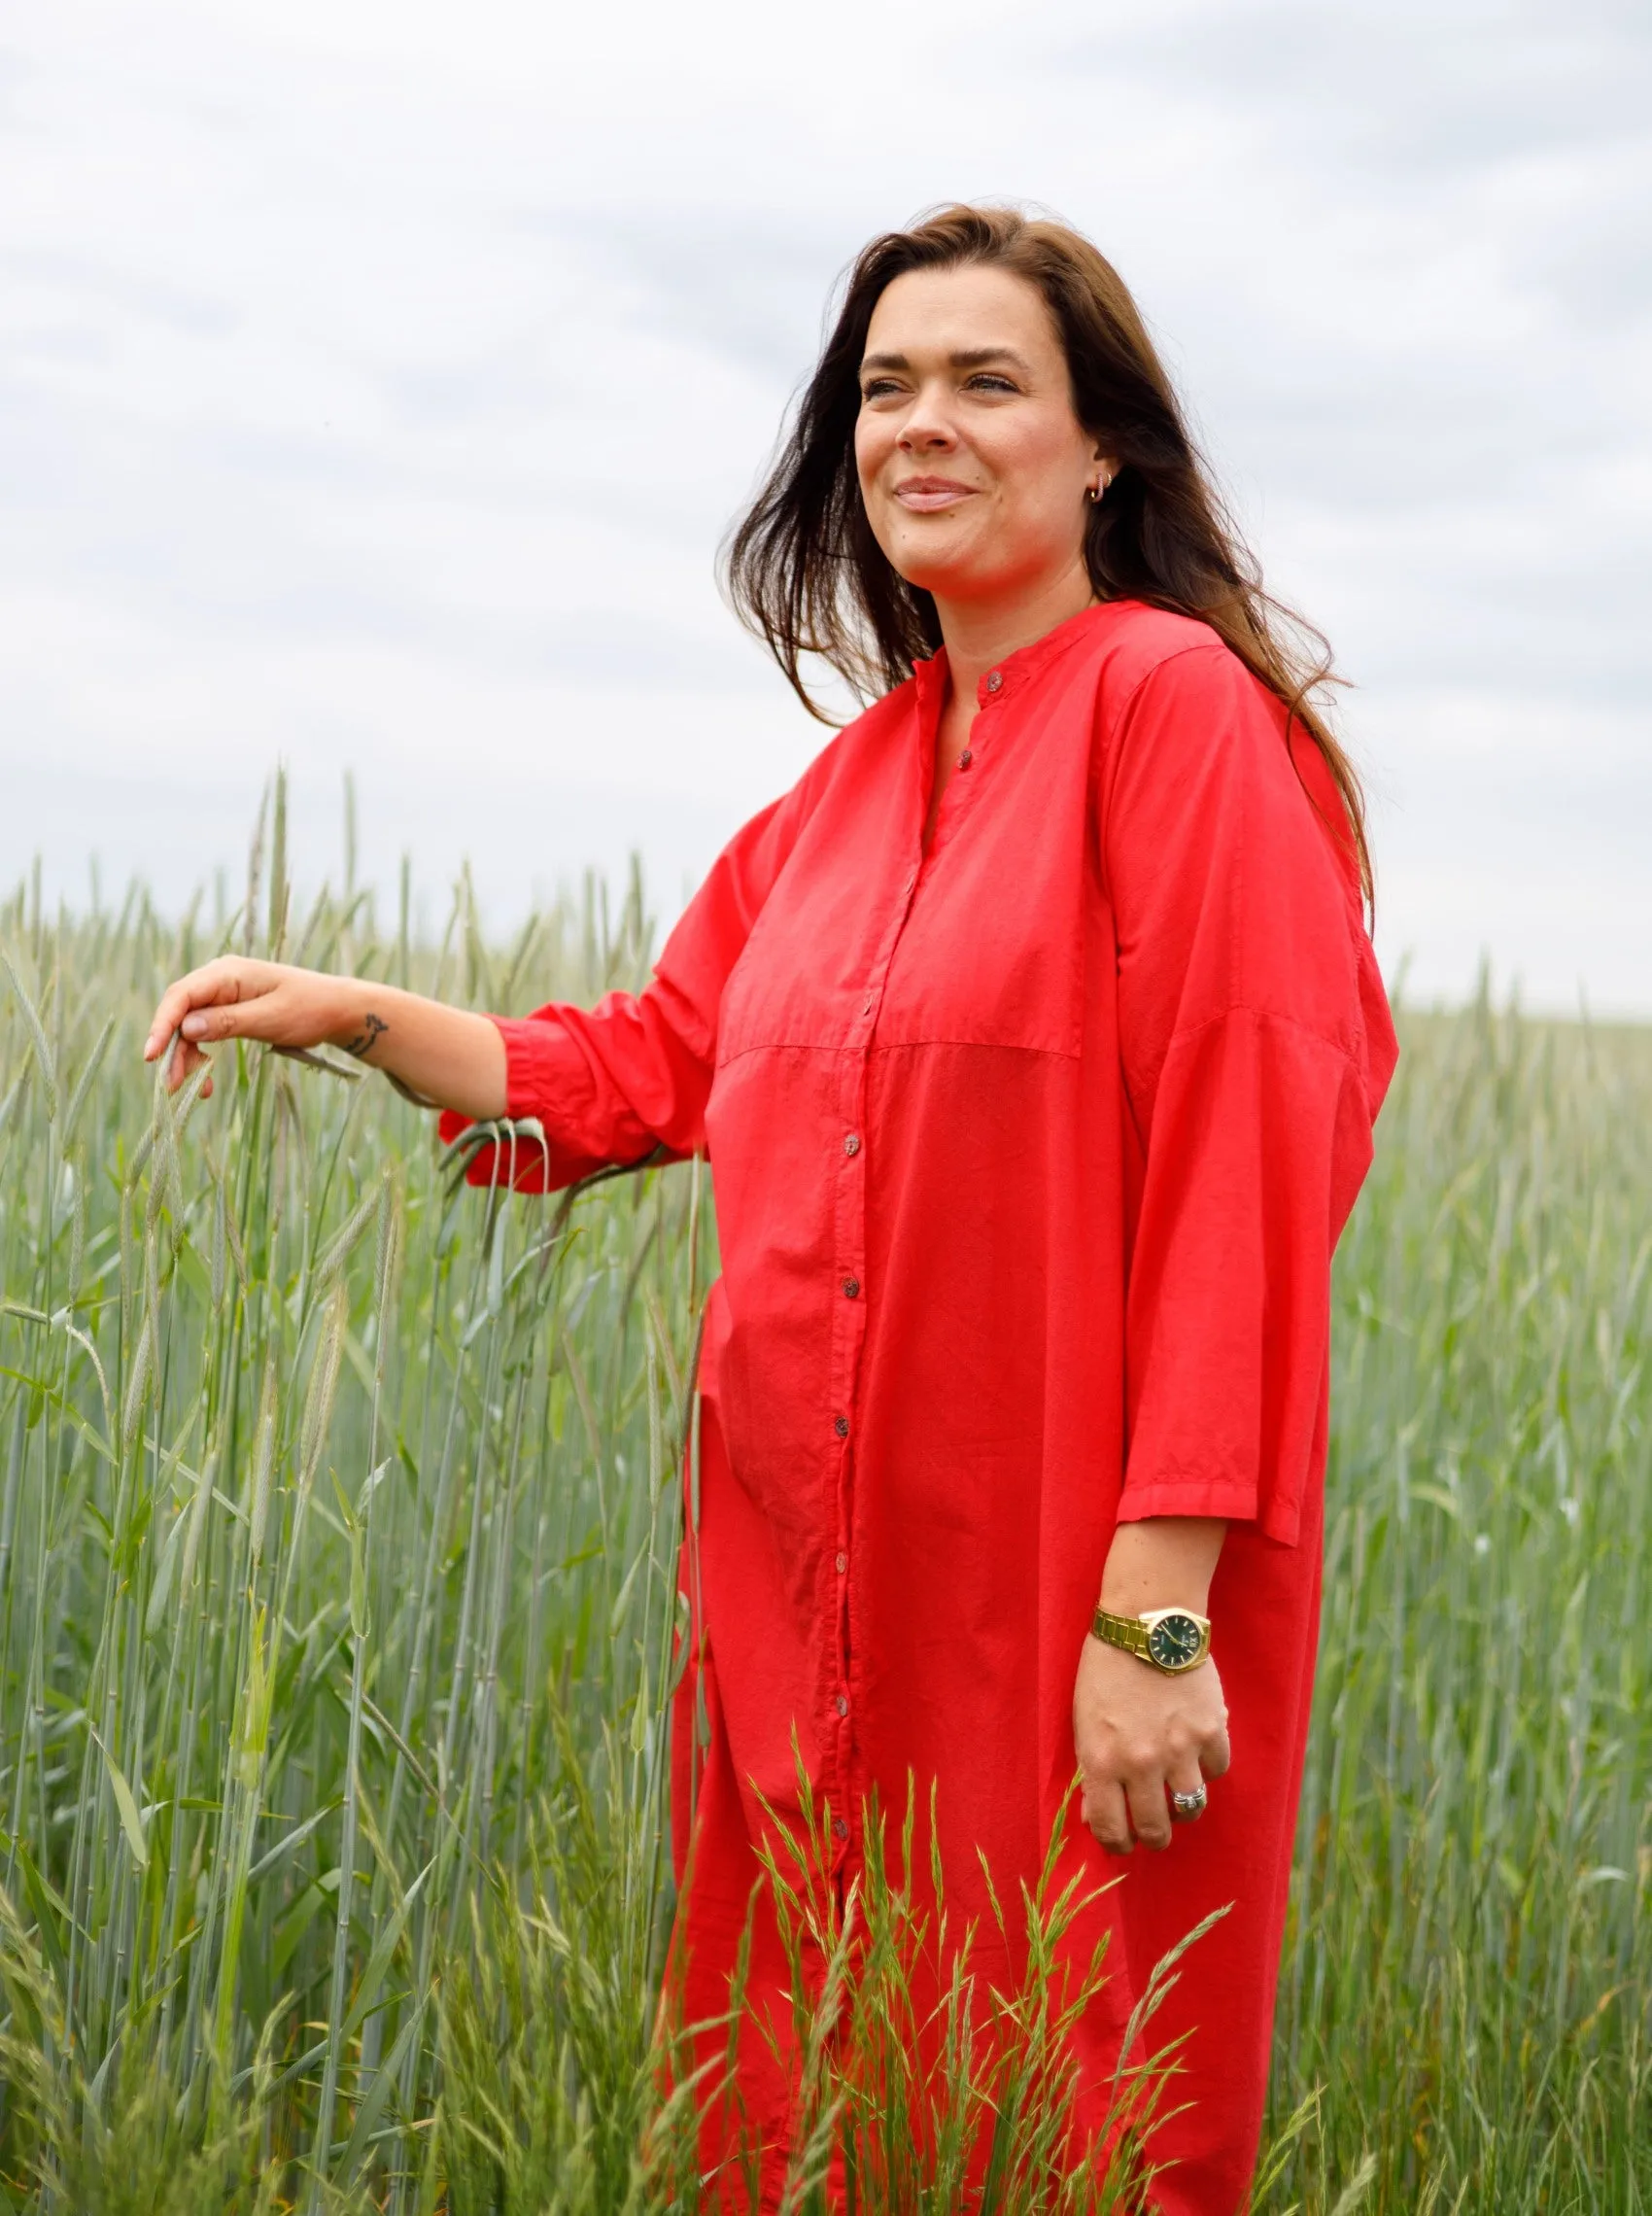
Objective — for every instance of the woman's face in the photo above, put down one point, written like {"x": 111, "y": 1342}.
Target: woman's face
{"x": 974, "y": 468}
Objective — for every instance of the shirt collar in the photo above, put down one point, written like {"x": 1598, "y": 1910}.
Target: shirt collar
{"x": 1015, "y": 671}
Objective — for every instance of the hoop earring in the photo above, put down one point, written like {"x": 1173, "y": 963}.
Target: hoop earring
{"x": 1099, "y": 487}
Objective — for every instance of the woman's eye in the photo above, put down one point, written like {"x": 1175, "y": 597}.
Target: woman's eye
{"x": 983, "y": 381}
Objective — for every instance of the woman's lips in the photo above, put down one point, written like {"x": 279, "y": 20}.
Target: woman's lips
{"x": 926, "y": 494}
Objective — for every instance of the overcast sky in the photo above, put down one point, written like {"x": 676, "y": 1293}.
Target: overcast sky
{"x": 377, "y": 381}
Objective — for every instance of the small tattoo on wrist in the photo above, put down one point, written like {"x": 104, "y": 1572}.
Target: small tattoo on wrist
{"x": 373, "y": 1028}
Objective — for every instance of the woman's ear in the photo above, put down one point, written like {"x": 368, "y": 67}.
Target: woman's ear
{"x": 1104, "y": 468}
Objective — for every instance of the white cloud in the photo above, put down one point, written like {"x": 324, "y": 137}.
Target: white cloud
{"x": 376, "y": 382}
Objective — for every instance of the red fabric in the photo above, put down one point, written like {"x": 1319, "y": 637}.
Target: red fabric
{"x": 1110, "y": 1052}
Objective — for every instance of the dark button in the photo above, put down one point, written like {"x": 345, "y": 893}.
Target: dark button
{"x": 995, "y": 679}
{"x": 840, "y": 1829}
{"x": 843, "y": 1704}
{"x": 851, "y": 1144}
{"x": 965, "y": 758}
{"x": 851, "y": 1288}
{"x": 840, "y": 1424}
{"x": 843, "y": 1564}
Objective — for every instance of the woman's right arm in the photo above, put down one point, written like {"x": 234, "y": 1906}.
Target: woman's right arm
{"x": 606, "y": 1086}
{"x": 451, "y": 1057}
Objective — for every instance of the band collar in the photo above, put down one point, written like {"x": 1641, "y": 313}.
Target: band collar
{"x": 1015, "y": 671}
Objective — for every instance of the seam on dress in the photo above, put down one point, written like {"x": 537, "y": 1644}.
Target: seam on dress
{"x": 1211, "y": 645}
{"x": 1109, "y": 740}
{"x": 1346, "y": 1051}
{"x": 895, "y": 1047}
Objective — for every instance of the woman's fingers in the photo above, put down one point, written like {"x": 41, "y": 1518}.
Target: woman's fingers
{"x": 1150, "y": 1811}
{"x": 1108, "y": 1816}
{"x": 1185, "y": 1781}
{"x": 225, "y": 980}
{"x": 182, "y": 1064}
{"x": 175, "y": 1004}
{"x": 1215, "y": 1756}
{"x": 1142, "y": 1807}
{"x": 248, "y": 1018}
{"x": 229, "y": 999}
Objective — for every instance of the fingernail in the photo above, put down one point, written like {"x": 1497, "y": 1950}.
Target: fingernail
{"x": 193, "y": 1026}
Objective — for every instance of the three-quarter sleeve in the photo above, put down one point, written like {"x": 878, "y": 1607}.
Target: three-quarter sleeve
{"x": 1255, "y": 1047}
{"x": 617, "y": 1083}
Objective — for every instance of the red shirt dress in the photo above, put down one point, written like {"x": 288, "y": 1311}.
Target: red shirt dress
{"x": 1030, "y": 1152}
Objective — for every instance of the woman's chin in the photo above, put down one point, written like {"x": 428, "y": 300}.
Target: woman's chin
{"x": 946, "y": 574}
{"x": 935, "y": 553}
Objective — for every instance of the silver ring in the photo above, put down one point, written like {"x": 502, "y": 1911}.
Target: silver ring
{"x": 1189, "y": 1806}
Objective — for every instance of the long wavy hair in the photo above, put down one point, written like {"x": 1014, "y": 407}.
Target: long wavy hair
{"x": 806, "y": 575}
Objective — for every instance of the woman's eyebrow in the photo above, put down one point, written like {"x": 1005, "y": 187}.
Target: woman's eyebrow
{"x": 966, "y": 358}
{"x": 977, "y": 357}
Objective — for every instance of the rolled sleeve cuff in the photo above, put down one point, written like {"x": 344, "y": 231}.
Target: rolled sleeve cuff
{"x": 542, "y": 1065}
{"x": 1235, "y": 1499}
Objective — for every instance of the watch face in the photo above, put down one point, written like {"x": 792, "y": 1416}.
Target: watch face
{"x": 1175, "y": 1640}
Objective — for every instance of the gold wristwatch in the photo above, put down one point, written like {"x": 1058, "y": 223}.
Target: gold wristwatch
{"x": 1171, "y": 1639}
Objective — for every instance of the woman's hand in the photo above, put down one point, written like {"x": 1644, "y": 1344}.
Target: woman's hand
{"x": 449, "y": 1057}
{"x": 235, "y": 998}
{"x": 1142, "y": 1736}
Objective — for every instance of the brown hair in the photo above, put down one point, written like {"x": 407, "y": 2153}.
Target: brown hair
{"x": 807, "y": 575}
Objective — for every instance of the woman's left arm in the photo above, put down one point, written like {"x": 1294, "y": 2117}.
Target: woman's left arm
{"x": 1254, "y": 1044}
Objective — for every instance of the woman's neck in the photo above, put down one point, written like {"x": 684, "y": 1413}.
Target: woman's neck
{"x": 981, "y": 634}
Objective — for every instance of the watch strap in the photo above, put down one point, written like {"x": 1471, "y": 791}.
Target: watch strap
{"x": 1127, "y": 1632}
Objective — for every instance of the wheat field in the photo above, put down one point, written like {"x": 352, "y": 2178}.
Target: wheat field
{"x": 339, "y": 1514}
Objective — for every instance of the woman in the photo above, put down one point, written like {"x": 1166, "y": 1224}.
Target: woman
{"x": 1036, "y": 1040}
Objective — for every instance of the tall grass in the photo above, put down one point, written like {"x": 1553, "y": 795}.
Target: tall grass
{"x": 337, "y": 1523}
{"x": 1469, "y": 1976}
{"x": 315, "y": 1475}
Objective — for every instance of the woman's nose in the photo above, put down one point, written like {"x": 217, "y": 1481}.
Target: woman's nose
{"x": 926, "y": 430}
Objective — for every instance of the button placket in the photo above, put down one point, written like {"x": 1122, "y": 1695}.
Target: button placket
{"x": 837, "y": 1783}
{"x": 849, "y": 1336}
{"x": 990, "y": 695}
